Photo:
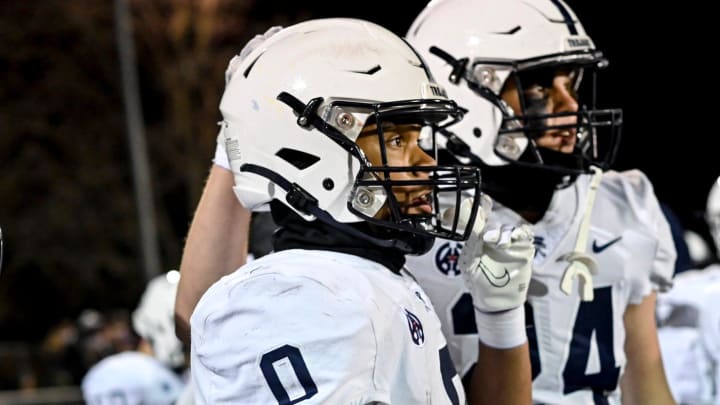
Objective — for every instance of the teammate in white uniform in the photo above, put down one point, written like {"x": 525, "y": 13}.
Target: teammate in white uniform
{"x": 149, "y": 375}
{"x": 709, "y": 314}
{"x": 322, "y": 121}
{"x": 687, "y": 365}
{"x": 517, "y": 66}
{"x": 132, "y": 378}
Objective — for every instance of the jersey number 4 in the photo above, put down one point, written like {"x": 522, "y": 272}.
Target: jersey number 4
{"x": 593, "y": 318}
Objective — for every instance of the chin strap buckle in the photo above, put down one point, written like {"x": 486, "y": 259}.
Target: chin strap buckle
{"x": 300, "y": 199}
{"x": 307, "y": 112}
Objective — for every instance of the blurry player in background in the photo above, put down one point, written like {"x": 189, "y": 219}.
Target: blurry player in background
{"x": 153, "y": 373}
{"x": 690, "y": 324}
{"x": 323, "y": 121}
{"x": 710, "y": 315}
{"x": 603, "y": 247}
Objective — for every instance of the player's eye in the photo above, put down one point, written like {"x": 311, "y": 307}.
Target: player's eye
{"x": 395, "y": 140}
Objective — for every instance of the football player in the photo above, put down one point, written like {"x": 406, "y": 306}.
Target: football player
{"x": 152, "y": 373}
{"x": 603, "y": 247}
{"x": 322, "y": 121}
{"x": 690, "y": 326}
{"x": 709, "y": 315}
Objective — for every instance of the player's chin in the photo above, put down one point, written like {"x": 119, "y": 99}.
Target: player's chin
{"x": 567, "y": 148}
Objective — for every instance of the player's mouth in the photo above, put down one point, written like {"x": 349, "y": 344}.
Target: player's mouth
{"x": 561, "y": 140}
{"x": 421, "y": 204}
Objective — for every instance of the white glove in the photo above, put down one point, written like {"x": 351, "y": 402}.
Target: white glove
{"x": 497, "y": 264}
{"x": 247, "y": 49}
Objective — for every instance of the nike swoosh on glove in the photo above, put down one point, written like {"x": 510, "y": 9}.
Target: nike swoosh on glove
{"x": 497, "y": 265}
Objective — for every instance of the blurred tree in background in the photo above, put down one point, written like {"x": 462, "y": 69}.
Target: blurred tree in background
{"x": 67, "y": 209}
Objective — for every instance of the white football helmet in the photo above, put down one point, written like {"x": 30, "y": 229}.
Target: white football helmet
{"x": 475, "y": 46}
{"x": 712, "y": 214}
{"x": 154, "y": 319}
{"x": 293, "y": 108}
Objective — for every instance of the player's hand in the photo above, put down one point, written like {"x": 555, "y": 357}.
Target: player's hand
{"x": 497, "y": 264}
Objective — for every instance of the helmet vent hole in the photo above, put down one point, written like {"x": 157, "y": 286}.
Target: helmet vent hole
{"x": 297, "y": 158}
{"x": 511, "y": 31}
{"x": 368, "y": 72}
{"x": 328, "y": 184}
{"x": 249, "y": 68}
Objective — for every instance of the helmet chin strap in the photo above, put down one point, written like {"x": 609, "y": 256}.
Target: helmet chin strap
{"x": 582, "y": 266}
{"x": 304, "y": 202}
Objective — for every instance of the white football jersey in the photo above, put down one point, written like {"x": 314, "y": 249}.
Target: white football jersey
{"x": 710, "y": 332}
{"x": 576, "y": 347}
{"x": 319, "y": 327}
{"x": 687, "y": 365}
{"x": 130, "y": 378}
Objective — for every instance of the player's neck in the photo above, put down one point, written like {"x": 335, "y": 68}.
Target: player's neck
{"x": 527, "y": 191}
{"x": 532, "y": 216}
{"x": 296, "y": 233}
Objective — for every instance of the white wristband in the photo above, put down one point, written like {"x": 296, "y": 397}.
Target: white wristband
{"x": 502, "y": 330}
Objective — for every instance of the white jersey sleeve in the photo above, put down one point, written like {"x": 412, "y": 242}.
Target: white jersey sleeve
{"x": 681, "y": 306}
{"x": 634, "y": 190}
{"x": 131, "y": 378}
{"x": 319, "y": 327}
{"x": 221, "y": 158}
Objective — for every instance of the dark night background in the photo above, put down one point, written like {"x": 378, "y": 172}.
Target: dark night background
{"x": 67, "y": 209}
